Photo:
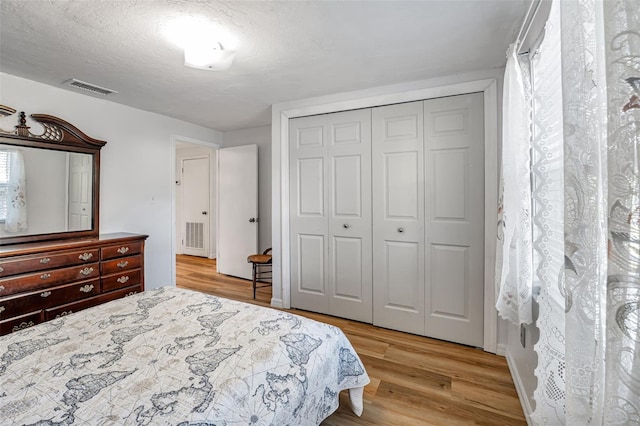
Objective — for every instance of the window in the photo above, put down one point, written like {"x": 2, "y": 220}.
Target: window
{"x": 5, "y": 166}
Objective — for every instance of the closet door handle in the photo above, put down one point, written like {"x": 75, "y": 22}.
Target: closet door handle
{"x": 346, "y": 226}
{"x": 401, "y": 230}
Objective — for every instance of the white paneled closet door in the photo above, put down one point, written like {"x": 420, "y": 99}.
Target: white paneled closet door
{"x": 330, "y": 216}
{"x": 454, "y": 234}
{"x": 398, "y": 217}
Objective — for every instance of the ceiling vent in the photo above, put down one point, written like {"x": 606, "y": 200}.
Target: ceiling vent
{"x": 82, "y": 85}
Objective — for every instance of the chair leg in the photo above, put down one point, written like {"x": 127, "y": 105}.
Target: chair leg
{"x": 254, "y": 280}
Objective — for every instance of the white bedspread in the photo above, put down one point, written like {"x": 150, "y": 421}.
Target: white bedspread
{"x": 174, "y": 356}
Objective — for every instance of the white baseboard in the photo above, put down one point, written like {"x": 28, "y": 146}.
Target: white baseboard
{"x": 522, "y": 395}
{"x": 501, "y": 349}
{"x": 276, "y": 303}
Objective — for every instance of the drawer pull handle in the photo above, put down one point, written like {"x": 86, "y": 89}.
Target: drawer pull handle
{"x": 86, "y": 271}
{"x": 45, "y": 276}
{"x": 45, "y": 294}
{"x": 22, "y": 326}
{"x": 131, "y": 293}
{"x": 63, "y": 313}
{"x": 123, "y": 250}
{"x": 85, "y": 256}
{"x": 2, "y": 309}
{"x": 1, "y": 269}
{"x": 123, "y": 264}
{"x": 123, "y": 279}
{"x": 1, "y": 288}
{"x": 86, "y": 288}
{"x": 45, "y": 260}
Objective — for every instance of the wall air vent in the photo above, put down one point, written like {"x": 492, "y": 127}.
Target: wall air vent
{"x": 82, "y": 85}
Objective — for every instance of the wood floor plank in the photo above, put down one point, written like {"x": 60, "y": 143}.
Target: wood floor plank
{"x": 414, "y": 380}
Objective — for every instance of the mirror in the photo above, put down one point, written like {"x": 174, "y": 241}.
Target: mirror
{"x": 49, "y": 182}
{"x": 57, "y": 190}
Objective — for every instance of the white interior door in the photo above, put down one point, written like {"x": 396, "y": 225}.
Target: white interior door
{"x": 195, "y": 206}
{"x": 350, "y": 255}
{"x": 309, "y": 231}
{"x": 80, "y": 188}
{"x": 330, "y": 183}
{"x": 454, "y": 148}
{"x": 237, "y": 209}
{"x": 398, "y": 217}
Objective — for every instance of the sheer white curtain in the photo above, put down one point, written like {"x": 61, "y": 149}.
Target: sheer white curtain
{"x": 587, "y": 214}
{"x": 16, "y": 219}
{"x": 622, "y": 371}
{"x": 548, "y": 221}
{"x": 513, "y": 266}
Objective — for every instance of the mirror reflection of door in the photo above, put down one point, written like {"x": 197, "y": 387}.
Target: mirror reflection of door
{"x": 195, "y": 206}
{"x": 80, "y": 186}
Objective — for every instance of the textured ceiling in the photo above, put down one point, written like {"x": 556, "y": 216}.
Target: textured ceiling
{"x": 286, "y": 49}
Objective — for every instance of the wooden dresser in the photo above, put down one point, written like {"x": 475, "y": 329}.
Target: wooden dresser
{"x": 45, "y": 280}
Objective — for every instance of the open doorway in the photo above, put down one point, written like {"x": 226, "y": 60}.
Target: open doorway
{"x": 194, "y": 198}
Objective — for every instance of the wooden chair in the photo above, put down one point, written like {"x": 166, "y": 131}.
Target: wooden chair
{"x": 261, "y": 266}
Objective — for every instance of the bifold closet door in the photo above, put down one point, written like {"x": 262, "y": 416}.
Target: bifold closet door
{"x": 454, "y": 285}
{"x": 330, "y": 214}
{"x": 398, "y": 217}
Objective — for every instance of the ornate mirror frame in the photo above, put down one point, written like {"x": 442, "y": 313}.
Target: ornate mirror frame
{"x": 58, "y": 135}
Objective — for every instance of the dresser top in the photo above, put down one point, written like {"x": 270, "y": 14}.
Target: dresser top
{"x": 101, "y": 240}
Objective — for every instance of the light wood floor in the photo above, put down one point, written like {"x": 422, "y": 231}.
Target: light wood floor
{"x": 414, "y": 380}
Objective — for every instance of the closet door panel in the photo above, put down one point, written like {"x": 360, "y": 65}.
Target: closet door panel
{"x": 350, "y": 261}
{"x": 402, "y": 264}
{"x": 454, "y": 152}
{"x": 310, "y": 188}
{"x": 311, "y": 264}
{"x": 308, "y": 213}
{"x": 398, "y": 217}
{"x": 347, "y": 270}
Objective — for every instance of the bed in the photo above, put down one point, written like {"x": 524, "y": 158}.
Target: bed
{"x": 175, "y": 356}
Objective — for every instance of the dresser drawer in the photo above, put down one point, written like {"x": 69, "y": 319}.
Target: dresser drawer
{"x": 125, "y": 249}
{"x": 22, "y": 264}
{"x": 23, "y": 321}
{"x": 44, "y": 279}
{"x": 123, "y": 279}
{"x": 70, "y": 308}
{"x": 63, "y": 294}
{"x": 123, "y": 264}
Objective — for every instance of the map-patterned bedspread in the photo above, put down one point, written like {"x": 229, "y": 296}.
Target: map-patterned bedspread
{"x": 174, "y": 356}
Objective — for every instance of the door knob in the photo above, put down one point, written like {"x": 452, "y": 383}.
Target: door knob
{"x": 204, "y": 213}
{"x": 401, "y": 229}
{"x": 346, "y": 226}
{"x": 253, "y": 219}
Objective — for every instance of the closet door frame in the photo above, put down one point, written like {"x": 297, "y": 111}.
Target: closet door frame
{"x": 427, "y": 89}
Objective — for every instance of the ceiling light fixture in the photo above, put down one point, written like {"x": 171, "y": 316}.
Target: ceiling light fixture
{"x": 206, "y": 57}
{"x": 206, "y": 46}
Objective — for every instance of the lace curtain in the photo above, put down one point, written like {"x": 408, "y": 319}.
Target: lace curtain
{"x": 548, "y": 221}
{"x": 513, "y": 266}
{"x": 587, "y": 214}
{"x": 16, "y": 195}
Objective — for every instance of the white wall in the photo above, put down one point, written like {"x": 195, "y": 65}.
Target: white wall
{"x": 189, "y": 151}
{"x": 260, "y": 136}
{"x": 136, "y": 163}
